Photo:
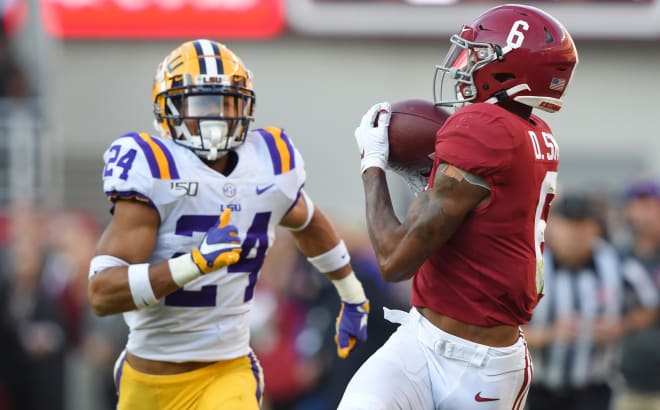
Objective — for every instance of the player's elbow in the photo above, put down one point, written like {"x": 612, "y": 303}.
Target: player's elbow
{"x": 391, "y": 274}
{"x": 397, "y": 263}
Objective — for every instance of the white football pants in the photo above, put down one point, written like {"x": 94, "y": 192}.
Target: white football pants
{"x": 422, "y": 367}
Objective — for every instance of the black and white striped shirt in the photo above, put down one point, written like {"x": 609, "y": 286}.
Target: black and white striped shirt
{"x": 609, "y": 288}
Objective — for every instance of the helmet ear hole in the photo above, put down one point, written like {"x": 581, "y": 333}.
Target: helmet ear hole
{"x": 503, "y": 77}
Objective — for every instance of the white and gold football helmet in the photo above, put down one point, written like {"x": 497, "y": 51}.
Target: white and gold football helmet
{"x": 203, "y": 98}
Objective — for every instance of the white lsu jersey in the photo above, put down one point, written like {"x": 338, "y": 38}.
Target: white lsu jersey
{"x": 207, "y": 319}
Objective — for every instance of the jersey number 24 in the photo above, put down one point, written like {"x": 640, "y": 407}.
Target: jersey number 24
{"x": 256, "y": 238}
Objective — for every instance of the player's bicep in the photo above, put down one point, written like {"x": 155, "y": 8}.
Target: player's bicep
{"x": 436, "y": 215}
{"x": 458, "y": 191}
{"x": 132, "y": 233}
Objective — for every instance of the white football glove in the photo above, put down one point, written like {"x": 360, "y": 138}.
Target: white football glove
{"x": 372, "y": 139}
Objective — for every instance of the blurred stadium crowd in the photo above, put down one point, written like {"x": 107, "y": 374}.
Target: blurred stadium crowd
{"x": 57, "y": 355}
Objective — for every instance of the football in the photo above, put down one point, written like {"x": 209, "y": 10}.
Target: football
{"x": 413, "y": 125}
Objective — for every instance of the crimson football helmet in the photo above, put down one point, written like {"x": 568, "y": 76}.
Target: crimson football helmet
{"x": 510, "y": 51}
{"x": 203, "y": 98}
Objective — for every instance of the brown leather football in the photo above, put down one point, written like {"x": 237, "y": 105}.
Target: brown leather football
{"x": 413, "y": 125}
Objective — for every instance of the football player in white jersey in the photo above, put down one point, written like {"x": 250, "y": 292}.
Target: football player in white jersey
{"x": 194, "y": 213}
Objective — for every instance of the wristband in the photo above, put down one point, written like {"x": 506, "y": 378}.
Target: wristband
{"x": 183, "y": 269}
{"x": 331, "y": 260}
{"x": 140, "y": 285}
{"x": 350, "y": 289}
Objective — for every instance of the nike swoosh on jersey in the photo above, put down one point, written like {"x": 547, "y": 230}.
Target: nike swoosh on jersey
{"x": 479, "y": 398}
{"x": 264, "y": 189}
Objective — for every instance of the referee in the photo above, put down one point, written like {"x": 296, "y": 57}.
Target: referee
{"x": 593, "y": 296}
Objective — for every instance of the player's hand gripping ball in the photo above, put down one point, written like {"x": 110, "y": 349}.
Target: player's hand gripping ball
{"x": 371, "y": 137}
{"x": 411, "y": 135}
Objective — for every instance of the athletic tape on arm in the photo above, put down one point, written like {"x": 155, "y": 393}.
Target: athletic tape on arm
{"x": 183, "y": 269}
{"x": 350, "y": 289}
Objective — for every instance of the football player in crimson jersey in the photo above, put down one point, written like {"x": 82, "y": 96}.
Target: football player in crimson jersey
{"x": 194, "y": 214}
{"x": 472, "y": 242}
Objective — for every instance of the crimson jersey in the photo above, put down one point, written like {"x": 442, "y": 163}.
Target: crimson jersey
{"x": 490, "y": 272}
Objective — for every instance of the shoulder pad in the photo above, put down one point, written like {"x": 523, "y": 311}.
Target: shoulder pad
{"x": 159, "y": 159}
{"x": 280, "y": 147}
{"x": 134, "y": 165}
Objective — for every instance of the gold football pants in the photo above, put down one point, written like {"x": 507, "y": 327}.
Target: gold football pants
{"x": 235, "y": 384}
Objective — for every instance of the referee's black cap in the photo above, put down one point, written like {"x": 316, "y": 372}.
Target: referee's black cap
{"x": 576, "y": 206}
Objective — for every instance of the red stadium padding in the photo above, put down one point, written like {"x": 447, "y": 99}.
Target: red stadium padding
{"x": 149, "y": 19}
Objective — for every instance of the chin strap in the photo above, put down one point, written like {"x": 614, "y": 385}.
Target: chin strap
{"x": 547, "y": 104}
{"x": 504, "y": 94}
